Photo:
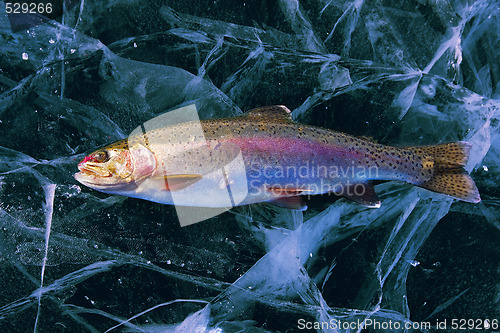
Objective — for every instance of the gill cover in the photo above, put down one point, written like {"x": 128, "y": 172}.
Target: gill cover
{"x": 144, "y": 162}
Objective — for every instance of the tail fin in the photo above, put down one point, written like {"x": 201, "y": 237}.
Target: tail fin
{"x": 449, "y": 176}
{"x": 454, "y": 182}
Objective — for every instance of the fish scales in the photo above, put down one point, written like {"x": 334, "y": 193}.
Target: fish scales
{"x": 314, "y": 145}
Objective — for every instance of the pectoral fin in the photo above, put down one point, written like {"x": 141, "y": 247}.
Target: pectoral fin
{"x": 177, "y": 182}
{"x": 362, "y": 193}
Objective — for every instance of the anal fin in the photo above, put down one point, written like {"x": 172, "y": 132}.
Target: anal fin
{"x": 294, "y": 202}
{"x": 362, "y": 193}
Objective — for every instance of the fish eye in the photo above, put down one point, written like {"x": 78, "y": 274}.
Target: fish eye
{"x": 101, "y": 156}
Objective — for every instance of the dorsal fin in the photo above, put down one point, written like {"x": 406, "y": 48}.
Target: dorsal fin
{"x": 367, "y": 138}
{"x": 275, "y": 113}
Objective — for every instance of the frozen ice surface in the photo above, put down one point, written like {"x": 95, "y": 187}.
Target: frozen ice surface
{"x": 404, "y": 73}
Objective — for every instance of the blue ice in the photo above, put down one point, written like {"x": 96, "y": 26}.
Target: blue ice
{"x": 409, "y": 73}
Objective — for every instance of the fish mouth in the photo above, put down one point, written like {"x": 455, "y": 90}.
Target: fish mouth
{"x": 92, "y": 175}
{"x": 106, "y": 184}
{"x": 92, "y": 169}
{"x": 88, "y": 179}
{"x": 93, "y": 181}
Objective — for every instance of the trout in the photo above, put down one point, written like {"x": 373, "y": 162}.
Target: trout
{"x": 265, "y": 156}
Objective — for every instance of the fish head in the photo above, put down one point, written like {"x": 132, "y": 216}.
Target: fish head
{"x": 116, "y": 167}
